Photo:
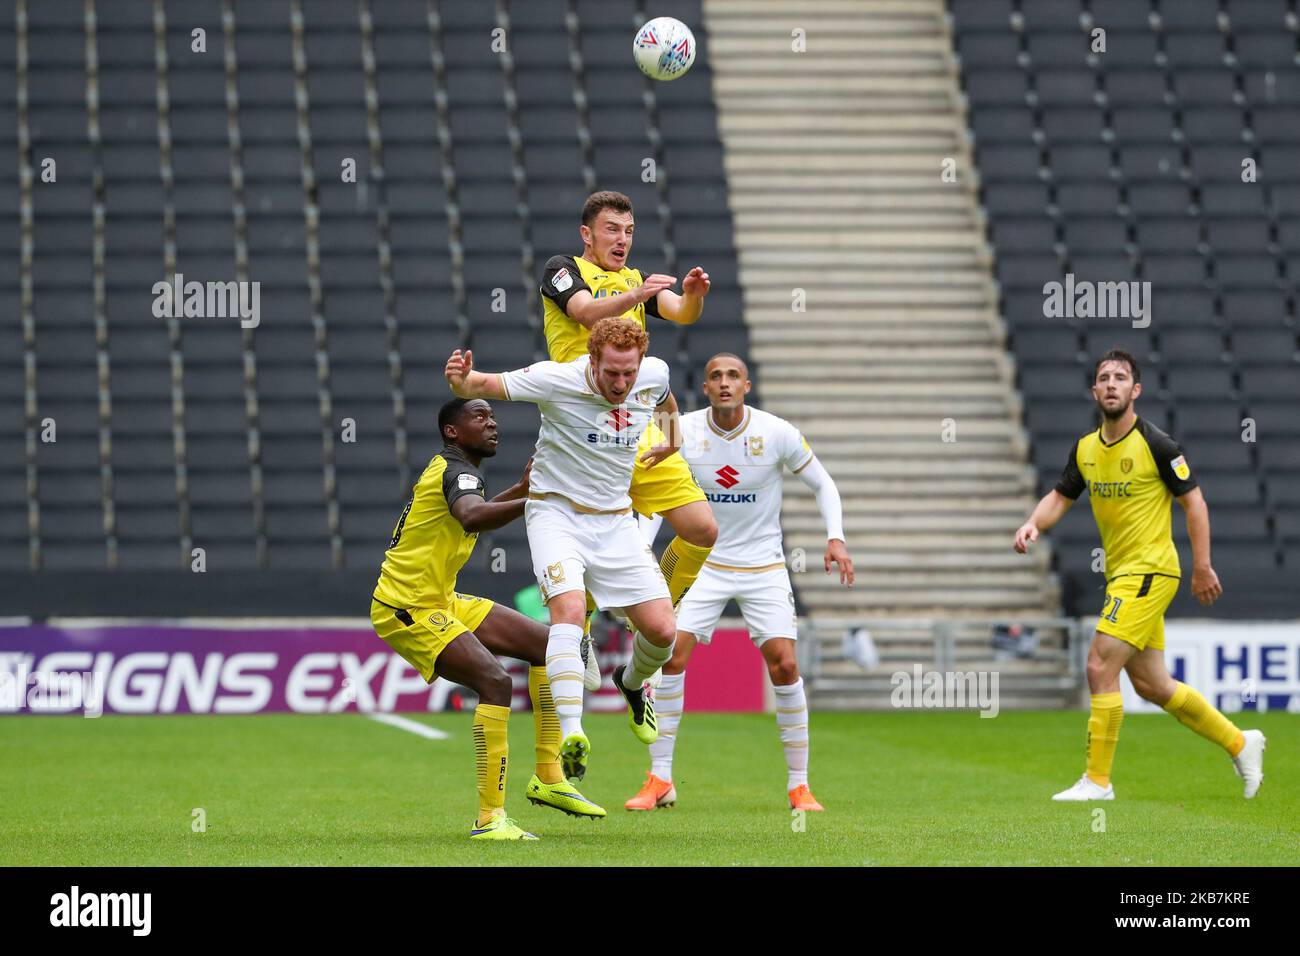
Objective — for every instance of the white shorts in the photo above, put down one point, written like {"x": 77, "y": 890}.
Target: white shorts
{"x": 765, "y": 597}
{"x": 603, "y": 554}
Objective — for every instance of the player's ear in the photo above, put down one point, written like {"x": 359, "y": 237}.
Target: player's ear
{"x": 1137, "y": 390}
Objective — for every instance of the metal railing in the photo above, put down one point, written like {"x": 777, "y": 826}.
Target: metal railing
{"x": 949, "y": 645}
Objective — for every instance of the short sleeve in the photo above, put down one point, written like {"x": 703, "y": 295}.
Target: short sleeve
{"x": 798, "y": 453}
{"x": 561, "y": 280}
{"x": 532, "y": 383}
{"x": 1071, "y": 483}
{"x": 459, "y": 479}
{"x": 1171, "y": 463}
{"x": 661, "y": 378}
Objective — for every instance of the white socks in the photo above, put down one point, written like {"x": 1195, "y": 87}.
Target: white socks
{"x": 564, "y": 670}
{"x": 792, "y": 722}
{"x": 669, "y": 699}
{"x": 646, "y": 659}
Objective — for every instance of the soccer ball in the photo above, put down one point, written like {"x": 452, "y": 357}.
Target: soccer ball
{"x": 664, "y": 48}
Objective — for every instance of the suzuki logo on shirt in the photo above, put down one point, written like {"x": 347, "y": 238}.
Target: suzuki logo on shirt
{"x": 739, "y": 498}
{"x": 609, "y": 428}
{"x": 728, "y": 477}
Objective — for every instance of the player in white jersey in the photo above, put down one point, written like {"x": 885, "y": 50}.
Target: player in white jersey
{"x": 737, "y": 454}
{"x": 581, "y": 530}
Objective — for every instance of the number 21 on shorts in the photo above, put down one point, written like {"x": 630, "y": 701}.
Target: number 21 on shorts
{"x": 1112, "y": 616}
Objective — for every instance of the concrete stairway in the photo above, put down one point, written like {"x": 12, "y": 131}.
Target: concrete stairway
{"x": 834, "y": 158}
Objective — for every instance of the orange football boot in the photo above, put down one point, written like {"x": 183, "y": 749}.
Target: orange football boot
{"x": 801, "y": 798}
{"x": 655, "y": 792}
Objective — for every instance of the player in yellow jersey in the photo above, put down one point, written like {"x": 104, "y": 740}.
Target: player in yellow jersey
{"x": 1131, "y": 470}
{"x": 577, "y": 292}
{"x": 442, "y": 633}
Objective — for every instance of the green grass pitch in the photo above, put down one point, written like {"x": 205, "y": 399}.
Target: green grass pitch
{"x": 930, "y": 788}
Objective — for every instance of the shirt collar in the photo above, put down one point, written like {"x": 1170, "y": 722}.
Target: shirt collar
{"x": 1105, "y": 444}
{"x": 451, "y": 451}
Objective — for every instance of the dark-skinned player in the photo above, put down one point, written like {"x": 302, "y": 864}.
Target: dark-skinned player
{"x": 443, "y": 633}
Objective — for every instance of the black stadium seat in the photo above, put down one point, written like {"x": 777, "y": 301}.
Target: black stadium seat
{"x": 1143, "y": 148}
{"x": 471, "y": 171}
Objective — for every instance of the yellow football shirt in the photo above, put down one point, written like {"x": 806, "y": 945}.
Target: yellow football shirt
{"x": 1130, "y": 484}
{"x": 566, "y": 339}
{"x": 429, "y": 546}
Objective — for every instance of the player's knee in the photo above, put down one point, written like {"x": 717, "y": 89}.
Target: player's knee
{"x": 663, "y": 633}
{"x": 568, "y": 608}
{"x": 784, "y": 670}
{"x": 1098, "y": 671}
{"x": 704, "y": 533}
{"x": 495, "y": 688}
{"x": 538, "y": 635}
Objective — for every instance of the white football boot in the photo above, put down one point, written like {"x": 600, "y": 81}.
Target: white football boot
{"x": 591, "y": 676}
{"x": 1085, "y": 789}
{"x": 1249, "y": 764}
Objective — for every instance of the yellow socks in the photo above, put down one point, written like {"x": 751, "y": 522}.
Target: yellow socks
{"x": 681, "y": 565}
{"x": 1103, "y": 735}
{"x": 546, "y": 726}
{"x": 1192, "y": 710}
{"x": 1188, "y": 707}
{"x": 491, "y": 751}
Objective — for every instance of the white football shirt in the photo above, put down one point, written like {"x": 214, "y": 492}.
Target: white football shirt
{"x": 586, "y": 447}
{"x": 740, "y": 472}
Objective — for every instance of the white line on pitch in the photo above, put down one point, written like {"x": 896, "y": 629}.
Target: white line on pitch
{"x": 411, "y": 726}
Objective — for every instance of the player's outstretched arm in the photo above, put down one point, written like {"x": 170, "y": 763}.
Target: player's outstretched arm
{"x": 685, "y": 309}
{"x": 476, "y": 515}
{"x": 465, "y": 382}
{"x": 585, "y": 309}
{"x": 1205, "y": 582}
{"x": 1044, "y": 517}
{"x": 520, "y": 488}
{"x": 1055, "y": 503}
{"x": 815, "y": 476}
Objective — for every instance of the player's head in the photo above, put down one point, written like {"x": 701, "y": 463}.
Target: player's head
{"x": 726, "y": 381}
{"x": 1116, "y": 383}
{"x": 468, "y": 424}
{"x": 616, "y": 347}
{"x": 607, "y": 229}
